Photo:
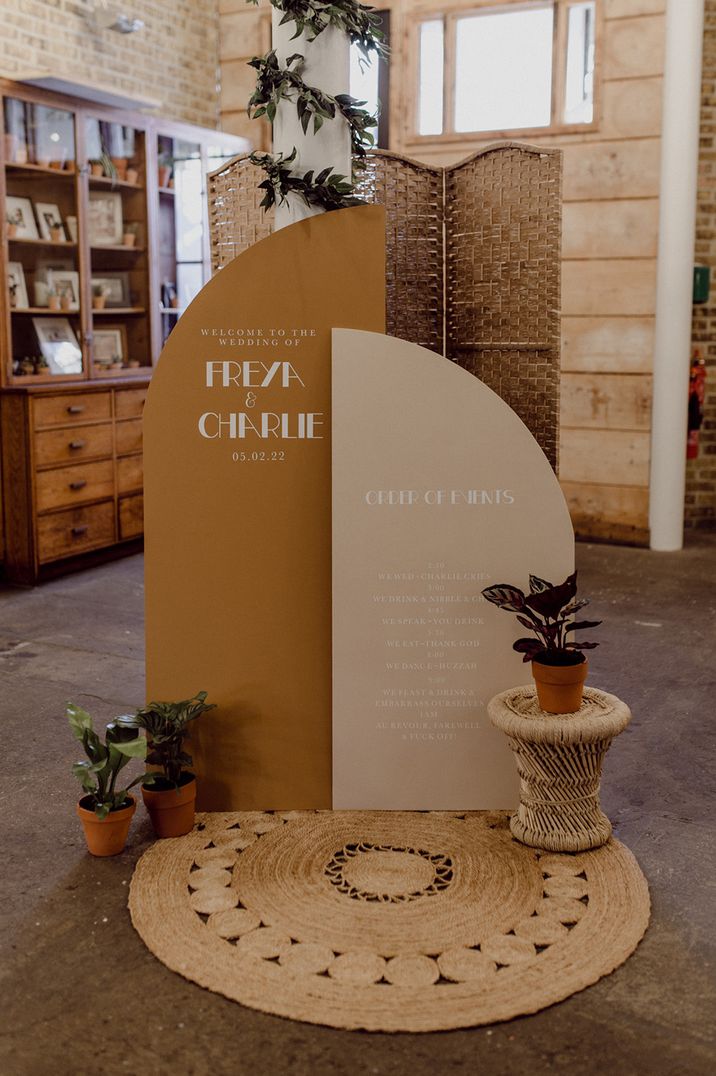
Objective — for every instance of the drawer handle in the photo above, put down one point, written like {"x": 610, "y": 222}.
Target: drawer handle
{"x": 75, "y": 409}
{"x": 77, "y": 532}
{"x": 74, "y": 445}
{"x": 79, "y": 484}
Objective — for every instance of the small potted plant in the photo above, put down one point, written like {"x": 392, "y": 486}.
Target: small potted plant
{"x": 171, "y": 793}
{"x": 133, "y": 364}
{"x": 165, "y": 164}
{"x": 559, "y": 667}
{"x": 100, "y": 294}
{"x": 132, "y": 174}
{"x": 105, "y": 810}
{"x": 53, "y": 300}
{"x": 116, "y": 363}
{"x": 57, "y": 232}
{"x": 96, "y": 168}
{"x": 130, "y": 235}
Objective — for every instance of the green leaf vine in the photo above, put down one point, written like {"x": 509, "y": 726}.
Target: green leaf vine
{"x": 275, "y": 84}
{"x": 360, "y": 22}
{"x": 327, "y": 190}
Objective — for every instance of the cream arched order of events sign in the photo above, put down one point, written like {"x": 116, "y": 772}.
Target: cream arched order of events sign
{"x": 439, "y": 490}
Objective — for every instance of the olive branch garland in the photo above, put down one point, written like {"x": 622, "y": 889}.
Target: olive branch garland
{"x": 328, "y": 189}
{"x": 275, "y": 84}
{"x": 312, "y": 17}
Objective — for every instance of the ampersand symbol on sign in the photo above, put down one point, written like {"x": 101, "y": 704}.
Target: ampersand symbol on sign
{"x": 251, "y": 399}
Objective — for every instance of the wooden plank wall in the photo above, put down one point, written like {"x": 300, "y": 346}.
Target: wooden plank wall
{"x": 244, "y": 31}
{"x": 611, "y": 195}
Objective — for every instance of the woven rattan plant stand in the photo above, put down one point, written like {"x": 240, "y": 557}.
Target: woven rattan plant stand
{"x": 559, "y": 759}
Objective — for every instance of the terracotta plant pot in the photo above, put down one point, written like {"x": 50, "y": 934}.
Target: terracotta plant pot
{"x": 132, "y": 175}
{"x": 171, "y": 810}
{"x": 560, "y": 688}
{"x": 106, "y": 836}
{"x": 129, "y": 239}
{"x": 133, "y": 364}
{"x": 97, "y": 169}
{"x": 98, "y": 302}
{"x": 120, "y": 164}
{"x": 57, "y": 235}
{"x": 65, "y": 303}
{"x": 53, "y": 303}
{"x": 164, "y": 175}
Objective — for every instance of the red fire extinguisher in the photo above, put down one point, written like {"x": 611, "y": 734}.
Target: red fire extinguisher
{"x": 697, "y": 394}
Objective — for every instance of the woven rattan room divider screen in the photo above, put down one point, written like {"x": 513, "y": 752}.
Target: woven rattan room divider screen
{"x": 473, "y": 262}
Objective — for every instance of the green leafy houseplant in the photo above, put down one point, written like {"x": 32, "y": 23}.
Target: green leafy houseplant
{"x": 99, "y": 773}
{"x": 166, "y": 725}
{"x": 547, "y": 612}
{"x": 558, "y": 665}
{"x": 169, "y": 796}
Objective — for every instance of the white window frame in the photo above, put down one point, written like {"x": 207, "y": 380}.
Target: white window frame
{"x": 451, "y": 13}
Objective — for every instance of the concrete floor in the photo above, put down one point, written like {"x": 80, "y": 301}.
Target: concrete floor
{"x": 81, "y": 995}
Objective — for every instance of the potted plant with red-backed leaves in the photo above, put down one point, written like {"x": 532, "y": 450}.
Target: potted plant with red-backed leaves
{"x": 559, "y": 666}
{"x": 105, "y": 810}
{"x": 170, "y": 793}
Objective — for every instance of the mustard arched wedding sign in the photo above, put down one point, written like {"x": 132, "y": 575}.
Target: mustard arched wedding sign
{"x": 237, "y": 449}
{"x": 439, "y": 490}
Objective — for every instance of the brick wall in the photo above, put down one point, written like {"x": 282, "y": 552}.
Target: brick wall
{"x": 174, "y": 59}
{"x": 701, "y": 472}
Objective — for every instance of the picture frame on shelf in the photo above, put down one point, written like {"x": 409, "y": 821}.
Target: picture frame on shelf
{"x": 59, "y": 345}
{"x": 19, "y": 213}
{"x": 109, "y": 346}
{"x": 105, "y": 219}
{"x": 17, "y": 286}
{"x": 117, "y": 287}
{"x": 49, "y": 218}
{"x": 66, "y": 282}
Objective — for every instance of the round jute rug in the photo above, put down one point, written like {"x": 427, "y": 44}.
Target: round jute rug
{"x": 387, "y": 921}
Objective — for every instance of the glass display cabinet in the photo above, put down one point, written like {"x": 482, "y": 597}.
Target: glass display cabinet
{"x": 103, "y": 244}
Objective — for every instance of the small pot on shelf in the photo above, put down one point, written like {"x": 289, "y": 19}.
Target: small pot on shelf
{"x": 132, "y": 175}
{"x": 120, "y": 166}
{"x": 53, "y": 302}
{"x": 96, "y": 168}
{"x": 43, "y": 162}
{"x": 106, "y": 836}
{"x": 134, "y": 364}
{"x": 57, "y": 234}
{"x": 129, "y": 239}
{"x": 65, "y": 303}
{"x": 116, "y": 366}
{"x": 99, "y": 302}
{"x": 164, "y": 175}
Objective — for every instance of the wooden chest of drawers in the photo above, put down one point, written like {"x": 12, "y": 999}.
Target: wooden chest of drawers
{"x": 72, "y": 473}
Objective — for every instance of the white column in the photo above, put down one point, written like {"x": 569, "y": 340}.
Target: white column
{"x": 677, "y": 226}
{"x": 327, "y": 67}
